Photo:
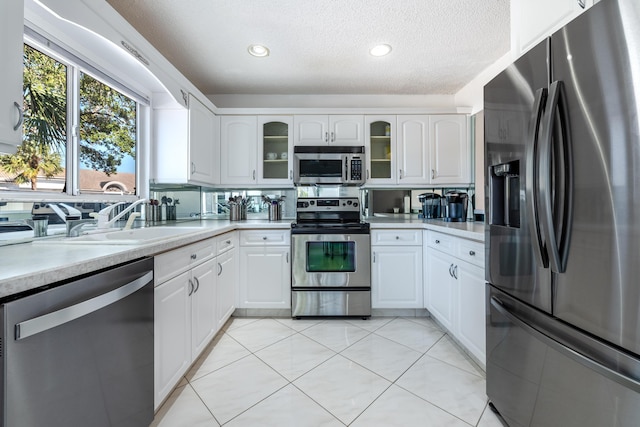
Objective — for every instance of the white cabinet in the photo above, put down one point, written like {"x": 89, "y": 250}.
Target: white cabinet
{"x": 238, "y": 150}
{"x": 396, "y": 269}
{"x": 380, "y": 149}
{"x": 325, "y": 129}
{"x": 275, "y": 150}
{"x": 450, "y": 160}
{"x": 203, "y": 143}
{"x": 413, "y": 150}
{"x": 227, "y": 270}
{"x": 533, "y": 21}
{"x": 184, "y": 311}
{"x": 11, "y": 42}
{"x": 441, "y": 291}
{"x": 172, "y": 337}
{"x": 265, "y": 271}
{"x": 432, "y": 149}
{"x": 471, "y": 308}
{"x": 187, "y": 142}
{"x": 455, "y": 288}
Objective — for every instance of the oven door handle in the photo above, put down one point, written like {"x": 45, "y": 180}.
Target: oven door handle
{"x": 56, "y": 318}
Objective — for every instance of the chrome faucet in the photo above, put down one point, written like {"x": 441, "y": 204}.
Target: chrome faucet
{"x": 103, "y": 216}
{"x": 75, "y": 226}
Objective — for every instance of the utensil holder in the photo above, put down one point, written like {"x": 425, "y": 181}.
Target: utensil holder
{"x": 275, "y": 212}
{"x": 171, "y": 213}
{"x": 234, "y": 212}
{"x": 152, "y": 214}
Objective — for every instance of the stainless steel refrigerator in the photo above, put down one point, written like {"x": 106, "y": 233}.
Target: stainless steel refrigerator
{"x": 562, "y": 138}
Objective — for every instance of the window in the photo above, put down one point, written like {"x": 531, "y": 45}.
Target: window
{"x": 80, "y": 134}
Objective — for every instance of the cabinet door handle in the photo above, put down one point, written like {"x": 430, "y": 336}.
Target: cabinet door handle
{"x": 219, "y": 269}
{"x": 367, "y": 173}
{"x": 472, "y": 253}
{"x": 287, "y": 257}
{"x": 437, "y": 242}
{"x": 228, "y": 242}
{"x": 374, "y": 257}
{"x": 254, "y": 175}
{"x": 190, "y": 287}
{"x": 290, "y": 174}
{"x": 400, "y": 173}
{"x": 20, "y": 116}
{"x": 433, "y": 174}
{"x": 194, "y": 256}
{"x": 195, "y": 279}
{"x": 455, "y": 272}
{"x": 333, "y": 137}
{"x": 326, "y": 137}
{"x": 451, "y": 270}
{"x": 397, "y": 237}
{"x": 264, "y": 238}
{"x": 193, "y": 168}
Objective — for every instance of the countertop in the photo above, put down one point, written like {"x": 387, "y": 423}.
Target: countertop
{"x": 27, "y": 266}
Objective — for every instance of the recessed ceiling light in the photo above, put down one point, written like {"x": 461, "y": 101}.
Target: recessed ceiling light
{"x": 380, "y": 50}
{"x": 258, "y": 50}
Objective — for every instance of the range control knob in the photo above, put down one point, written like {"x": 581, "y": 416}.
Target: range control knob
{"x": 355, "y": 204}
{"x": 313, "y": 202}
{"x": 349, "y": 202}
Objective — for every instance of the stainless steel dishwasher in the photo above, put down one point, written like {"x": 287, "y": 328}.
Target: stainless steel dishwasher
{"x": 81, "y": 353}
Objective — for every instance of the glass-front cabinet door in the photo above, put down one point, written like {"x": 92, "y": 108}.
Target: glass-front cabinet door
{"x": 380, "y": 149}
{"x": 275, "y": 164}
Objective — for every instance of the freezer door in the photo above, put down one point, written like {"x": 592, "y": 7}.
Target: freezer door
{"x": 536, "y": 378}
{"x": 597, "y": 59}
{"x": 513, "y": 106}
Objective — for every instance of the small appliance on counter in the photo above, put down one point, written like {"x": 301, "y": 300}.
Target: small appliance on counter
{"x": 431, "y": 205}
{"x": 456, "y": 206}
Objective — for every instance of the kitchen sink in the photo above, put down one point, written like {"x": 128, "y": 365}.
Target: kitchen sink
{"x": 136, "y": 236}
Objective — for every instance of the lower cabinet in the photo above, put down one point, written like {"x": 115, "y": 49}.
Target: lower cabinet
{"x": 396, "y": 269}
{"x": 194, "y": 295}
{"x": 227, "y": 269}
{"x": 455, "y": 287}
{"x": 265, "y": 270}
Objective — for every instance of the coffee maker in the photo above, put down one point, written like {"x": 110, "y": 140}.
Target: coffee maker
{"x": 431, "y": 205}
{"x": 455, "y": 206}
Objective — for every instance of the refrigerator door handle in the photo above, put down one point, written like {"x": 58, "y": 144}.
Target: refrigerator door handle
{"x": 531, "y": 187}
{"x": 561, "y": 187}
{"x": 566, "y": 351}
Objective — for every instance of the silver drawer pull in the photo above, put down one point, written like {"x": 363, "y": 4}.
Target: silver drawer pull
{"x": 437, "y": 242}
{"x": 397, "y": 237}
{"x": 472, "y": 253}
{"x": 228, "y": 242}
{"x": 194, "y": 256}
{"x": 264, "y": 238}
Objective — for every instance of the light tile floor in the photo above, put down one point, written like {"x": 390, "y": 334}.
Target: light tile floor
{"x": 282, "y": 372}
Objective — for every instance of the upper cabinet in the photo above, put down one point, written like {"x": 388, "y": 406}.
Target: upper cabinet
{"x": 238, "y": 150}
{"x": 186, "y": 142}
{"x": 450, "y": 160}
{"x": 11, "y": 28}
{"x": 329, "y": 130}
{"x": 417, "y": 150}
{"x": 380, "y": 149}
{"x": 275, "y": 150}
{"x": 531, "y": 21}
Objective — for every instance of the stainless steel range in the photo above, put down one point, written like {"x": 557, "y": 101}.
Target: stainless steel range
{"x": 331, "y": 268}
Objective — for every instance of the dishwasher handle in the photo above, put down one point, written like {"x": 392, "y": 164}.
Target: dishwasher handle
{"x": 56, "y": 318}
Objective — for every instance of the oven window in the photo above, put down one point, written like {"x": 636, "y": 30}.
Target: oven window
{"x": 331, "y": 257}
{"x": 320, "y": 168}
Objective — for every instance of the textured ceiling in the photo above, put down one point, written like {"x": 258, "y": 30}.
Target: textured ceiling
{"x": 321, "y": 46}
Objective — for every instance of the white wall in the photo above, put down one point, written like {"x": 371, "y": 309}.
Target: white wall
{"x": 472, "y": 95}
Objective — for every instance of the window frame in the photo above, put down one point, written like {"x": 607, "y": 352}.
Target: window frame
{"x": 74, "y": 67}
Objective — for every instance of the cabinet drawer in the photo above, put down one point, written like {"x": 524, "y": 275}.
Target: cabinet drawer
{"x": 442, "y": 242}
{"x": 172, "y": 263}
{"x": 396, "y": 237}
{"x": 471, "y": 251}
{"x": 225, "y": 242}
{"x": 265, "y": 238}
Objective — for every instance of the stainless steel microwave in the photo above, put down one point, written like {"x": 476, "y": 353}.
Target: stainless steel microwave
{"x": 329, "y": 165}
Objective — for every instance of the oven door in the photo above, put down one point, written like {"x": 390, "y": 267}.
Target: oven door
{"x": 320, "y": 168}
{"x": 331, "y": 260}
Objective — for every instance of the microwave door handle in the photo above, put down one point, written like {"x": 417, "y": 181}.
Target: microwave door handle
{"x": 346, "y": 168}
